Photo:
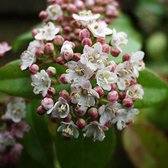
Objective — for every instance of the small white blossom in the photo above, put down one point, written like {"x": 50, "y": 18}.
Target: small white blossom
{"x": 67, "y": 47}
{"x": 118, "y": 39}
{"x": 123, "y": 117}
{"x": 135, "y": 92}
{"x": 60, "y": 109}
{"x": 35, "y": 45}
{"x": 86, "y": 17}
{"x": 68, "y": 129}
{"x": 107, "y": 112}
{"x": 15, "y": 110}
{"x": 125, "y": 74}
{"x": 83, "y": 94}
{"x": 54, "y": 12}
{"x": 47, "y": 33}
{"x": 27, "y": 59}
{"x": 94, "y": 57}
{"x": 137, "y": 63}
{"x": 95, "y": 130}
{"x": 41, "y": 82}
{"x": 105, "y": 78}
{"x": 99, "y": 29}
{"x": 77, "y": 71}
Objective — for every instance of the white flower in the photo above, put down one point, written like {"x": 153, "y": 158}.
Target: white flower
{"x": 15, "y": 110}
{"x": 83, "y": 94}
{"x": 105, "y": 78}
{"x": 77, "y": 71}
{"x": 118, "y": 39}
{"x": 124, "y": 71}
{"x": 60, "y": 109}
{"x": 41, "y": 82}
{"x": 69, "y": 129}
{"x": 137, "y": 63}
{"x": 123, "y": 117}
{"x": 108, "y": 112}
{"x": 67, "y": 47}
{"x": 47, "y": 33}
{"x": 54, "y": 12}
{"x": 27, "y": 59}
{"x": 95, "y": 130}
{"x": 86, "y": 17}
{"x": 99, "y": 29}
{"x": 35, "y": 45}
{"x": 135, "y": 92}
{"x": 94, "y": 57}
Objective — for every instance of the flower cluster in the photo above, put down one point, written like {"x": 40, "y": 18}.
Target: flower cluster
{"x": 12, "y": 127}
{"x": 83, "y": 88}
{"x": 61, "y": 11}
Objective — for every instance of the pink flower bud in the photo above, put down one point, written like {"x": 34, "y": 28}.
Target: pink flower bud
{"x": 34, "y": 32}
{"x": 113, "y": 96}
{"x": 64, "y": 94}
{"x": 106, "y": 48}
{"x": 51, "y": 91}
{"x": 58, "y": 40}
{"x": 60, "y": 60}
{"x": 79, "y": 112}
{"x": 99, "y": 90}
{"x": 67, "y": 29}
{"x": 93, "y": 113}
{"x": 76, "y": 56}
{"x": 113, "y": 87}
{"x": 101, "y": 40}
{"x": 68, "y": 118}
{"x": 126, "y": 57}
{"x": 39, "y": 53}
{"x": 40, "y": 110}
{"x": 122, "y": 95}
{"x": 84, "y": 34}
{"x": 77, "y": 31}
{"x": 47, "y": 103}
{"x": 127, "y": 102}
{"x": 43, "y": 15}
{"x": 63, "y": 79}
{"x": 72, "y": 8}
{"x": 115, "y": 52}
{"x": 48, "y": 48}
{"x": 51, "y": 71}
{"x": 87, "y": 41}
{"x": 54, "y": 119}
{"x": 81, "y": 123}
{"x": 33, "y": 69}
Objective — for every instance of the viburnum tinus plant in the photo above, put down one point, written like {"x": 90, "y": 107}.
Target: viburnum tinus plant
{"x": 96, "y": 92}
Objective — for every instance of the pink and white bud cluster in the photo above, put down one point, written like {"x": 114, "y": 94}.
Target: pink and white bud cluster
{"x": 86, "y": 90}
{"x": 12, "y": 128}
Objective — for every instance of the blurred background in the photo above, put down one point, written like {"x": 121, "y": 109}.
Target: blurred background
{"x": 150, "y": 19}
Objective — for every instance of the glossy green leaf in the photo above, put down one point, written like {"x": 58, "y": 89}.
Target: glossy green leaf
{"x": 38, "y": 144}
{"x": 146, "y": 146}
{"x": 85, "y": 153}
{"x": 156, "y": 90}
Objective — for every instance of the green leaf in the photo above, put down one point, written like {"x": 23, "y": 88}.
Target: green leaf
{"x": 85, "y": 153}
{"x": 156, "y": 90}
{"x": 146, "y": 146}
{"x": 123, "y": 23}
{"x": 38, "y": 144}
